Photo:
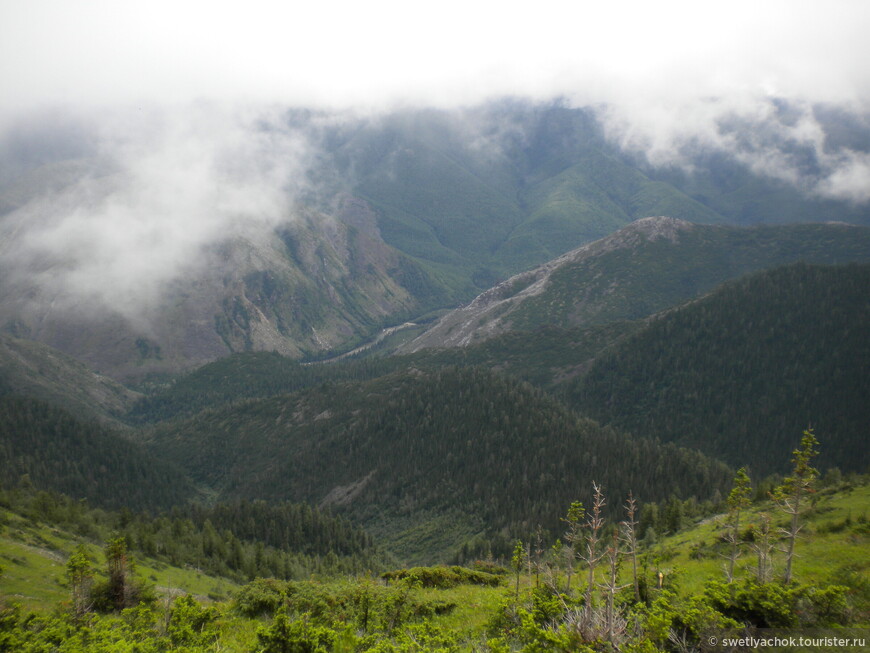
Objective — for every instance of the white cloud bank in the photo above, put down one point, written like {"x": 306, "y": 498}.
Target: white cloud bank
{"x": 387, "y": 51}
{"x": 668, "y": 71}
{"x": 161, "y": 187}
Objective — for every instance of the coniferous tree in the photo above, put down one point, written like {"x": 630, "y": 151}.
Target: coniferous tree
{"x": 789, "y": 496}
{"x": 119, "y": 569}
{"x": 80, "y": 576}
{"x": 517, "y": 563}
{"x": 573, "y": 536}
{"x": 738, "y": 500}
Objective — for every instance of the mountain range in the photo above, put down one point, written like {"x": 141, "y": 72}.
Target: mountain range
{"x": 399, "y": 214}
{"x": 552, "y": 331}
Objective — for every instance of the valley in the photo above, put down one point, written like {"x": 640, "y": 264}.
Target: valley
{"x": 381, "y": 420}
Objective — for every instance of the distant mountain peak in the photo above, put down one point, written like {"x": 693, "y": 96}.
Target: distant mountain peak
{"x": 657, "y": 227}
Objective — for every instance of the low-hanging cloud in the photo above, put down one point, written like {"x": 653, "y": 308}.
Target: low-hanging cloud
{"x": 162, "y": 175}
{"x": 160, "y": 188}
{"x": 784, "y": 139}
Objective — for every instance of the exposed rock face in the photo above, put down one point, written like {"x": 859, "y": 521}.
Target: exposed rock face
{"x": 315, "y": 283}
{"x": 490, "y": 313}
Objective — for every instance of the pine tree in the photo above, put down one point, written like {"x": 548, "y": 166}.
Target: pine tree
{"x": 572, "y": 537}
{"x": 119, "y": 568}
{"x": 517, "y": 562}
{"x": 789, "y": 496}
{"x": 80, "y": 575}
{"x": 738, "y": 500}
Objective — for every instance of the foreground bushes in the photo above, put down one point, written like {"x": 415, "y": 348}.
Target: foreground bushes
{"x": 443, "y": 577}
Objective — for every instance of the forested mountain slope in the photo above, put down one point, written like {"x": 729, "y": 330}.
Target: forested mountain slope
{"x": 646, "y": 267}
{"x": 84, "y": 459}
{"x": 31, "y": 369}
{"x": 387, "y": 217}
{"x": 426, "y": 460}
{"x": 739, "y": 372}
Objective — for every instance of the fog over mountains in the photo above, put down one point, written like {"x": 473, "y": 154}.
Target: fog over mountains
{"x": 394, "y": 260}
{"x": 161, "y": 241}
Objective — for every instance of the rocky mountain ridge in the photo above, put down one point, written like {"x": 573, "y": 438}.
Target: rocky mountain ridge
{"x": 643, "y": 268}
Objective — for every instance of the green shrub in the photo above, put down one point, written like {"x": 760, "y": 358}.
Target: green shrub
{"x": 443, "y": 577}
{"x": 260, "y": 597}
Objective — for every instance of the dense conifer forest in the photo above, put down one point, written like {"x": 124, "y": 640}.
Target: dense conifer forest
{"x": 737, "y": 373}
{"x": 287, "y": 496}
{"x": 84, "y": 459}
{"x": 425, "y": 450}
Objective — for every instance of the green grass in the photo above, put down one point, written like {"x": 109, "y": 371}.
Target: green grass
{"x": 33, "y": 557}
{"x": 832, "y": 547}
{"x": 475, "y": 606}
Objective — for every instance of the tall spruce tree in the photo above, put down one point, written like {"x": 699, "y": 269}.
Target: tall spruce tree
{"x": 738, "y": 500}
{"x": 790, "y": 495}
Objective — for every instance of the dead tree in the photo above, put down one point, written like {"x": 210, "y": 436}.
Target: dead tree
{"x": 762, "y": 545}
{"x": 610, "y": 587}
{"x": 629, "y": 537}
{"x": 591, "y": 556}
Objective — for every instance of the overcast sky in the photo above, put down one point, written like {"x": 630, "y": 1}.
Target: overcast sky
{"x": 376, "y": 52}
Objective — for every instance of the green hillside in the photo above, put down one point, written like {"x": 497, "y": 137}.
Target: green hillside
{"x": 683, "y": 597}
{"x": 424, "y": 461}
{"x": 596, "y": 196}
{"x": 737, "y": 373}
{"x": 31, "y": 369}
{"x": 636, "y": 281}
{"x": 480, "y": 193}
{"x": 237, "y": 541}
{"x": 648, "y": 266}
{"x": 59, "y": 452}
{"x": 488, "y": 205}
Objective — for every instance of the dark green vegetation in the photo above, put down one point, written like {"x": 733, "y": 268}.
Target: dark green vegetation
{"x": 676, "y": 598}
{"x": 425, "y": 460}
{"x": 62, "y": 453}
{"x": 237, "y": 541}
{"x": 486, "y": 191}
{"x": 245, "y": 376}
{"x": 410, "y": 446}
{"x": 636, "y": 281}
{"x": 258, "y": 468}
{"x": 738, "y": 372}
{"x": 34, "y": 370}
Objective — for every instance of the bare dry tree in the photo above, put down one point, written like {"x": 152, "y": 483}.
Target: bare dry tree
{"x": 591, "y": 555}
{"x": 610, "y": 587}
{"x": 629, "y": 537}
{"x": 763, "y": 544}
